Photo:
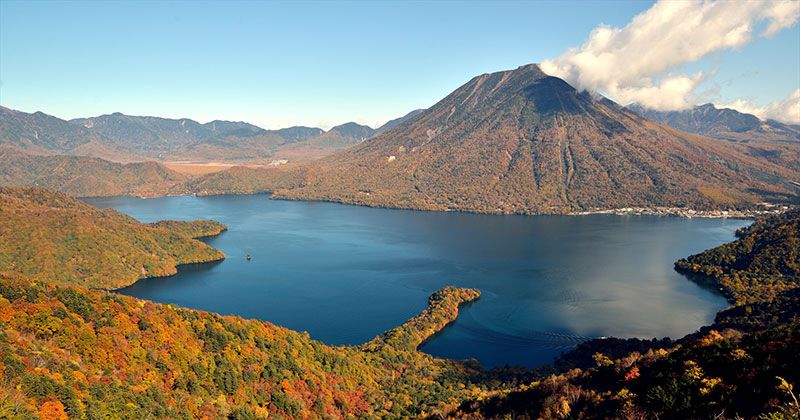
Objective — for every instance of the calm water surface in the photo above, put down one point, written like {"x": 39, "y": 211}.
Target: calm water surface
{"x": 346, "y": 273}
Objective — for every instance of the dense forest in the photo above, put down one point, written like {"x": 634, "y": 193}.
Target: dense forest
{"x": 758, "y": 266}
{"x": 83, "y": 176}
{"x": 55, "y": 238}
{"x": 70, "y": 351}
{"x": 94, "y": 354}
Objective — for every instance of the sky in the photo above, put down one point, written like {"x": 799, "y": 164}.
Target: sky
{"x": 278, "y": 64}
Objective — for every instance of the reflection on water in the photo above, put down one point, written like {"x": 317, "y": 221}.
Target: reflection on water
{"x": 346, "y": 273}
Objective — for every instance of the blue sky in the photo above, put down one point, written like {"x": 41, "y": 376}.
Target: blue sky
{"x": 278, "y": 64}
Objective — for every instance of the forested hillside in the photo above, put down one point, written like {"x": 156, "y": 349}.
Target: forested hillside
{"x": 93, "y": 354}
{"x": 242, "y": 180}
{"x": 760, "y": 265}
{"x": 55, "y": 238}
{"x": 67, "y": 350}
{"x": 88, "y": 177}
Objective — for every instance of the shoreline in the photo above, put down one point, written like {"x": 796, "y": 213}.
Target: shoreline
{"x": 178, "y": 266}
{"x": 420, "y": 336}
{"x": 665, "y": 211}
{"x": 685, "y": 212}
{"x": 625, "y": 211}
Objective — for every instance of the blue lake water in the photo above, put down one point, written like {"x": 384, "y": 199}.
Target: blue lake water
{"x": 346, "y": 273}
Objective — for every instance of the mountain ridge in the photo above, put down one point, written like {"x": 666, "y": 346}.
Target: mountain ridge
{"x": 722, "y": 123}
{"x": 521, "y": 141}
{"x": 127, "y": 138}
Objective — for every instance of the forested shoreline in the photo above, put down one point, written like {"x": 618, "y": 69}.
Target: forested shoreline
{"x": 69, "y": 350}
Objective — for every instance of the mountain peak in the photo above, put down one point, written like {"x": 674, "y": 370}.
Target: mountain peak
{"x": 724, "y": 123}
{"x": 521, "y": 141}
{"x": 299, "y": 132}
{"x": 353, "y": 129}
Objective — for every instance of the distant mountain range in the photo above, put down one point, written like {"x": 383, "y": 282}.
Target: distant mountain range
{"x": 516, "y": 141}
{"x": 721, "y": 123}
{"x": 521, "y": 141}
{"x": 124, "y": 137}
{"x": 42, "y": 133}
{"x": 147, "y": 134}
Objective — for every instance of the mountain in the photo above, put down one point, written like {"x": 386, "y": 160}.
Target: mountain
{"x": 722, "y": 123}
{"x": 299, "y": 133}
{"x": 397, "y": 121}
{"x": 521, "y": 141}
{"x": 233, "y": 128}
{"x": 216, "y": 140}
{"x": 153, "y": 134}
{"x": 115, "y": 136}
{"x": 41, "y": 133}
{"x": 353, "y": 130}
{"x": 343, "y": 135}
{"x": 327, "y": 142}
{"x": 769, "y": 140}
{"x": 54, "y": 237}
{"x": 87, "y": 176}
{"x": 127, "y": 138}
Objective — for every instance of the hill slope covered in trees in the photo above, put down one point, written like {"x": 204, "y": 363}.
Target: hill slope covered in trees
{"x": 66, "y": 350}
{"x": 93, "y": 354}
{"x": 760, "y": 265}
{"x": 88, "y": 177}
{"x": 54, "y": 237}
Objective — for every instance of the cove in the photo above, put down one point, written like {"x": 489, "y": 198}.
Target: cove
{"x": 347, "y": 273}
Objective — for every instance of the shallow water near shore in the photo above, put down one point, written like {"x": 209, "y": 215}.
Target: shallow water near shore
{"x": 347, "y": 273}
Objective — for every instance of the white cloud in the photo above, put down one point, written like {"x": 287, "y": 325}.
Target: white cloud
{"x": 743, "y": 105}
{"x": 785, "y": 110}
{"x": 634, "y": 63}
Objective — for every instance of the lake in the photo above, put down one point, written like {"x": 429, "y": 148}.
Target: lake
{"x": 347, "y": 273}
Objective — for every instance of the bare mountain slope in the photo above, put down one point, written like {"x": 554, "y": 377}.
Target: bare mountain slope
{"x": 522, "y": 141}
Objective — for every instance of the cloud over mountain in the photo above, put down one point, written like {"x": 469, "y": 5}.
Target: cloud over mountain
{"x": 635, "y": 63}
{"x": 786, "y": 109}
